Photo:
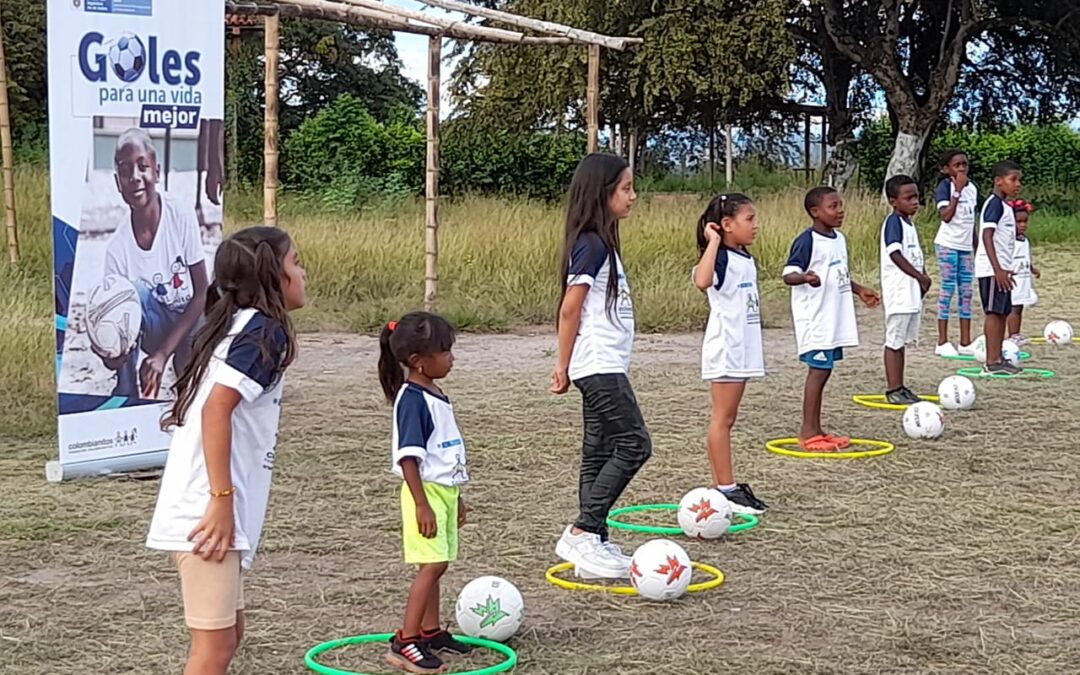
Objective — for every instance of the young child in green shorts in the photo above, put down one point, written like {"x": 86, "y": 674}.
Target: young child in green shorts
{"x": 429, "y": 455}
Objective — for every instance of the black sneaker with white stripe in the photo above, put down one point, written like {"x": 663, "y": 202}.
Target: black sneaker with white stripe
{"x": 442, "y": 641}
{"x": 742, "y": 500}
{"x": 1003, "y": 368}
{"x": 413, "y": 655}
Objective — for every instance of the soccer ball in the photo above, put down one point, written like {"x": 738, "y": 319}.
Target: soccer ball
{"x": 113, "y": 317}
{"x": 956, "y": 392}
{"x": 1010, "y": 352}
{"x": 660, "y": 570}
{"x": 704, "y": 513}
{"x": 127, "y": 56}
{"x": 979, "y": 348}
{"x": 490, "y": 608}
{"x": 923, "y": 420}
{"x": 1058, "y": 333}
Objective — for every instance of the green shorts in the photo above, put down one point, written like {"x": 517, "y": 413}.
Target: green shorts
{"x": 443, "y": 546}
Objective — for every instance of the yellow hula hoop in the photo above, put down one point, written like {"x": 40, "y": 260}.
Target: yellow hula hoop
{"x": 1042, "y": 340}
{"x": 878, "y": 448}
{"x": 878, "y": 402}
{"x": 717, "y": 579}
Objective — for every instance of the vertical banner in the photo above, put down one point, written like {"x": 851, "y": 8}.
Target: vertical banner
{"x": 136, "y": 102}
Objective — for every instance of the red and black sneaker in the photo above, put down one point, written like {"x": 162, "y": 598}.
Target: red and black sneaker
{"x": 413, "y": 655}
{"x": 442, "y": 641}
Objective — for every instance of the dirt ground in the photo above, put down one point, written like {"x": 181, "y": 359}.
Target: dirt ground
{"x": 957, "y": 555}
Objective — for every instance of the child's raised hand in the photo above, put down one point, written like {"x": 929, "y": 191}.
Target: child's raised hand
{"x": 712, "y": 233}
{"x": 425, "y": 521}
{"x": 960, "y": 180}
{"x": 213, "y": 535}
{"x": 560, "y": 381}
{"x": 811, "y": 278}
{"x": 461, "y": 512}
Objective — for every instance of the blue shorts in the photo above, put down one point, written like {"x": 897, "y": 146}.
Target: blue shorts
{"x": 823, "y": 359}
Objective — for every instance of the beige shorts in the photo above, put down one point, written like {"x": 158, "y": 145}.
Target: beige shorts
{"x": 213, "y": 591}
{"x": 902, "y": 330}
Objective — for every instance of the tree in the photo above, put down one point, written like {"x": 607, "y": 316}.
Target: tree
{"x": 24, "y": 26}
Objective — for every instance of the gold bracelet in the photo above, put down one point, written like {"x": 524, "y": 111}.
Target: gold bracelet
{"x": 224, "y": 493}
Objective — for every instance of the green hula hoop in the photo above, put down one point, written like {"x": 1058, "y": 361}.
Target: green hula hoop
{"x": 748, "y": 521}
{"x": 1030, "y": 372}
{"x": 1024, "y": 356}
{"x": 309, "y": 657}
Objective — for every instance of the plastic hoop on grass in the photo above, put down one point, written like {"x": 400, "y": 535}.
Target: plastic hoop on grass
{"x": 309, "y": 658}
{"x": 1042, "y": 340}
{"x": 550, "y": 575}
{"x": 878, "y": 401}
{"x": 748, "y": 521}
{"x": 877, "y": 448}
{"x": 1024, "y": 356}
{"x": 1027, "y": 372}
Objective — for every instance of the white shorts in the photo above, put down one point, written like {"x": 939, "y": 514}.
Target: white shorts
{"x": 902, "y": 330}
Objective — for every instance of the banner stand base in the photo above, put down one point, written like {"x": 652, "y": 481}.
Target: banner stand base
{"x": 56, "y": 472}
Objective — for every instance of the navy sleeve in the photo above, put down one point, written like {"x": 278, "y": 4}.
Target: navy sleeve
{"x": 943, "y": 194}
{"x": 720, "y": 269}
{"x": 588, "y": 256}
{"x": 993, "y": 212}
{"x": 413, "y": 420}
{"x": 894, "y": 234}
{"x": 257, "y": 351}
{"x": 801, "y": 250}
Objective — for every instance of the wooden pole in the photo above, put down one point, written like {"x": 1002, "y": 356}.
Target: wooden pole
{"x": 806, "y": 150}
{"x": 824, "y": 144}
{"x": 633, "y": 150}
{"x": 8, "y": 161}
{"x": 712, "y": 154}
{"x": 431, "y": 220}
{"x": 729, "y": 156}
{"x": 272, "y": 30}
{"x": 592, "y": 97}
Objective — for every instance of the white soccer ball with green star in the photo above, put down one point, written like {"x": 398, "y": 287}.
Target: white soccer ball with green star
{"x": 490, "y": 608}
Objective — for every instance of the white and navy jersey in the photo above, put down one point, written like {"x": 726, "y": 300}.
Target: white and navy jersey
{"x": 732, "y": 345}
{"x": 606, "y": 334}
{"x": 1023, "y": 292}
{"x": 425, "y": 428}
{"x": 997, "y": 216}
{"x": 824, "y": 316}
{"x": 247, "y": 361}
{"x": 958, "y": 232}
{"x": 900, "y": 293}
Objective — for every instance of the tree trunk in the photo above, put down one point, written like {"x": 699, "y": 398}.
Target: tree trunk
{"x": 910, "y": 143}
{"x": 844, "y": 158}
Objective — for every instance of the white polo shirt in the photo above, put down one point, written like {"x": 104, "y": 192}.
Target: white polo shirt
{"x": 900, "y": 293}
{"x": 958, "y": 232}
{"x": 732, "y": 345}
{"x": 425, "y": 428}
{"x": 997, "y": 216}
{"x": 606, "y": 334}
{"x": 824, "y": 316}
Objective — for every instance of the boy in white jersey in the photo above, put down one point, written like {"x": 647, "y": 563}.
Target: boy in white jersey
{"x": 1023, "y": 292}
{"x": 903, "y": 284}
{"x": 994, "y": 263}
{"x": 159, "y": 249}
{"x": 822, "y": 307}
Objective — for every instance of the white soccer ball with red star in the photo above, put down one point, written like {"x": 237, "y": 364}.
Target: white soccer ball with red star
{"x": 660, "y": 570}
{"x": 705, "y": 513}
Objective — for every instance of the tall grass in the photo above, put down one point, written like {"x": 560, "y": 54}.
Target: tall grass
{"x": 497, "y": 268}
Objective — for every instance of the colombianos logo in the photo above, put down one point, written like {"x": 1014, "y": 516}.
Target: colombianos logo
{"x": 126, "y": 57}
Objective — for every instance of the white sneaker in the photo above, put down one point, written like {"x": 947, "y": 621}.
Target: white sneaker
{"x": 967, "y": 350}
{"x": 946, "y": 350}
{"x": 590, "y": 556}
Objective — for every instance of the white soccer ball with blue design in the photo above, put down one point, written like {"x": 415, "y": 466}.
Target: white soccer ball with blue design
{"x": 924, "y": 420}
{"x": 978, "y": 348}
{"x": 113, "y": 317}
{"x": 956, "y": 393}
{"x": 127, "y": 56}
{"x": 660, "y": 570}
{"x": 490, "y": 608}
{"x": 1010, "y": 352}
{"x": 704, "y": 513}
{"x": 1058, "y": 333}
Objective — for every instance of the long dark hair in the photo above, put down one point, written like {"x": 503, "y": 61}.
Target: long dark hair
{"x": 721, "y": 206}
{"x": 595, "y": 179}
{"x": 248, "y": 272}
{"x": 417, "y": 333}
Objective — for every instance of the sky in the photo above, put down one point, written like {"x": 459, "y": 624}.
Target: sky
{"x": 413, "y": 50}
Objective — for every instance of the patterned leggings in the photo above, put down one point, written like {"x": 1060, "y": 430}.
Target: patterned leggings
{"x": 956, "y": 269}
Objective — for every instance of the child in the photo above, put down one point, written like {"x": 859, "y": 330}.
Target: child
{"x": 596, "y": 334}
{"x": 903, "y": 284}
{"x": 994, "y": 263}
{"x": 821, "y": 304}
{"x": 160, "y": 250}
{"x": 1023, "y": 294}
{"x": 429, "y": 455}
{"x": 216, "y": 484}
{"x": 732, "y": 351}
{"x": 957, "y": 198}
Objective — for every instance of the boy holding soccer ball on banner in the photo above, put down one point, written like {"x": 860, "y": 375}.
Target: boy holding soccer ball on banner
{"x": 159, "y": 249}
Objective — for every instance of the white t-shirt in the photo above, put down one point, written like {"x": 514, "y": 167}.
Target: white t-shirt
{"x": 997, "y": 216}
{"x": 824, "y": 316}
{"x": 732, "y": 345}
{"x": 238, "y": 363}
{"x": 900, "y": 293}
{"x": 605, "y": 338}
{"x": 166, "y": 268}
{"x": 425, "y": 428}
{"x": 957, "y": 233}
{"x": 1023, "y": 292}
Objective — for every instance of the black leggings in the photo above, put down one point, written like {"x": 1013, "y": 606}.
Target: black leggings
{"x": 616, "y": 445}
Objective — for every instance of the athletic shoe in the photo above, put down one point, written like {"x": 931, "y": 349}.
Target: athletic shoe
{"x": 946, "y": 350}
{"x": 1003, "y": 368}
{"x": 915, "y": 397}
{"x": 413, "y": 655}
{"x": 443, "y": 641}
{"x": 588, "y": 554}
{"x": 743, "y": 501}
{"x": 901, "y": 396}
{"x": 616, "y": 553}
{"x": 966, "y": 350}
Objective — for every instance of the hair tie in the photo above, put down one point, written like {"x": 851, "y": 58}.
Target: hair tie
{"x": 392, "y": 326}
{"x": 723, "y": 198}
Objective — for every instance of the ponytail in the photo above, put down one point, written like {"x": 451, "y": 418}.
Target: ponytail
{"x": 391, "y": 374}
